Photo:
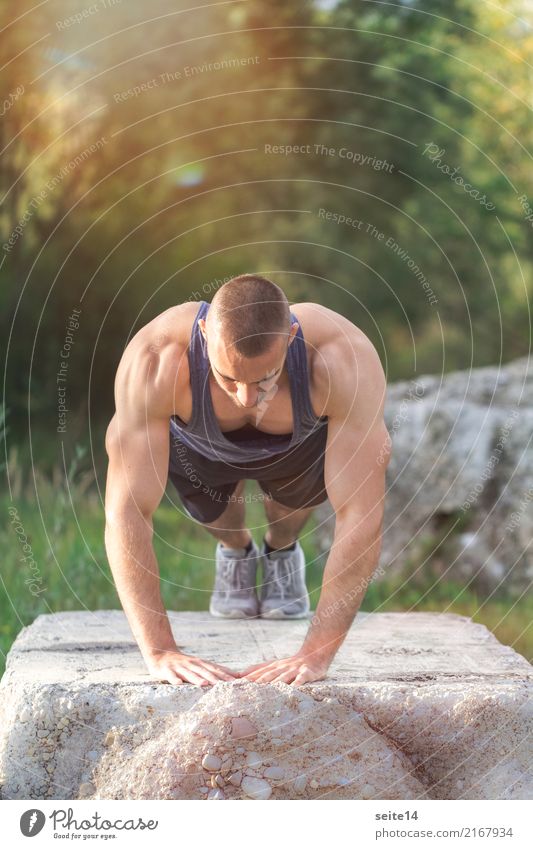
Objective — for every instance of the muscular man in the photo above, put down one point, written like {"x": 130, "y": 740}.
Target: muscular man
{"x": 248, "y": 388}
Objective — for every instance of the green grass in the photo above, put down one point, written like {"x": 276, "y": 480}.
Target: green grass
{"x": 63, "y": 522}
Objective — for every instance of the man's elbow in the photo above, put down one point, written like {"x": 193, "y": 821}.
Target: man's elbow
{"x": 123, "y": 514}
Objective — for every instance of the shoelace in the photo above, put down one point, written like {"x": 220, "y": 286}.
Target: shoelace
{"x": 231, "y": 579}
{"x": 279, "y": 578}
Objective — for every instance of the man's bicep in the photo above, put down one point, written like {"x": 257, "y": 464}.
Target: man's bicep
{"x": 358, "y": 445}
{"x": 137, "y": 441}
{"x": 354, "y": 470}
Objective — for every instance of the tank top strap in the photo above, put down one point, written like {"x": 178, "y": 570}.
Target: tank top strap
{"x": 299, "y": 377}
{"x": 198, "y": 369}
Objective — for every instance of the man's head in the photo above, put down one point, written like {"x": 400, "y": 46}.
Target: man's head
{"x": 248, "y": 331}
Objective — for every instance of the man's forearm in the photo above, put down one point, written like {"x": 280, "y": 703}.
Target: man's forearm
{"x": 128, "y": 540}
{"x": 353, "y": 558}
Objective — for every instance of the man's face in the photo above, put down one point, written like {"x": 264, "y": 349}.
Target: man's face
{"x": 246, "y": 379}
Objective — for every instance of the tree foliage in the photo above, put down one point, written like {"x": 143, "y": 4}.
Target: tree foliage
{"x": 138, "y": 163}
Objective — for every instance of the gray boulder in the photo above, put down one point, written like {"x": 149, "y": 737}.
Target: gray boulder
{"x": 460, "y": 476}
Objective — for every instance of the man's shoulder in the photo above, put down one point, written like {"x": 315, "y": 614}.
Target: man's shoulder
{"x": 154, "y": 367}
{"x": 344, "y": 362}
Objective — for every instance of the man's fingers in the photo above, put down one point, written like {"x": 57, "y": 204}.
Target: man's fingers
{"x": 304, "y": 676}
{"x": 221, "y": 671}
{"x": 270, "y": 674}
{"x": 193, "y": 677}
{"x": 252, "y": 676}
{"x": 222, "y": 676}
{"x": 168, "y": 676}
{"x": 213, "y": 673}
{"x": 216, "y": 668}
{"x": 204, "y": 674}
{"x": 210, "y": 671}
{"x": 225, "y": 669}
{"x": 264, "y": 665}
{"x": 285, "y": 677}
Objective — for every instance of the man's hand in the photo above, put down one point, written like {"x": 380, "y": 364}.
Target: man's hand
{"x": 298, "y": 669}
{"x": 174, "y": 667}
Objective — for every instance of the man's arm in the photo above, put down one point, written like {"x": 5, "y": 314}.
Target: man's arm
{"x": 357, "y": 454}
{"x": 137, "y": 443}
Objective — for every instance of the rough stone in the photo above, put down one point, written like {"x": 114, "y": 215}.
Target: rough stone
{"x": 256, "y": 788}
{"x": 299, "y": 783}
{"x": 215, "y": 794}
{"x": 242, "y": 727}
{"x": 274, "y": 772}
{"x": 211, "y": 763}
{"x": 415, "y": 705}
{"x": 253, "y": 759}
{"x": 460, "y": 476}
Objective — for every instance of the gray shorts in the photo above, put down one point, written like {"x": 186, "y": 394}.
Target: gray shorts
{"x": 294, "y": 478}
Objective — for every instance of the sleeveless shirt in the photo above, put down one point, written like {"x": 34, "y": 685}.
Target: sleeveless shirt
{"x": 203, "y": 434}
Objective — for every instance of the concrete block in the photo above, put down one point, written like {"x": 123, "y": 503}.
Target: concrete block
{"x": 415, "y": 705}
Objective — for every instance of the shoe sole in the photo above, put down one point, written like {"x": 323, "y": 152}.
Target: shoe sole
{"x": 233, "y": 614}
{"x": 279, "y": 614}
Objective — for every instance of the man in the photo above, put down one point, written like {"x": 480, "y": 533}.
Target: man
{"x": 247, "y": 388}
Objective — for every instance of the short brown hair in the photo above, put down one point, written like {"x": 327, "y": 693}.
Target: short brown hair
{"x": 249, "y": 310}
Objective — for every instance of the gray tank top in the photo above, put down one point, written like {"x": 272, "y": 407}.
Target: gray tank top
{"x": 203, "y": 434}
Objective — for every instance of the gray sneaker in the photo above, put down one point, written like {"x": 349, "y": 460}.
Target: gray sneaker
{"x": 234, "y": 595}
{"x": 283, "y": 592}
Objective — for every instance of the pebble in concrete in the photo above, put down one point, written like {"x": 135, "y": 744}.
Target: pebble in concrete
{"x": 211, "y": 762}
{"x": 275, "y": 772}
{"x": 253, "y": 759}
{"x": 256, "y": 788}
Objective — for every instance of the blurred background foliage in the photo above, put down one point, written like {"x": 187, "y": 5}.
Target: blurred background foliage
{"x": 138, "y": 167}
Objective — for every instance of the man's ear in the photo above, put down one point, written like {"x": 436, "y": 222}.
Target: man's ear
{"x": 201, "y": 325}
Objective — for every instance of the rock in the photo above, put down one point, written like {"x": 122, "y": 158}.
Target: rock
{"x": 299, "y": 783}
{"x": 86, "y": 790}
{"x": 253, "y": 759}
{"x": 274, "y": 772}
{"x": 242, "y": 727}
{"x": 215, "y": 794}
{"x": 256, "y": 788}
{"x": 462, "y": 459}
{"x": 211, "y": 762}
{"x": 448, "y": 702}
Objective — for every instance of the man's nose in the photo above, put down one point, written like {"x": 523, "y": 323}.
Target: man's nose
{"x": 247, "y": 395}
